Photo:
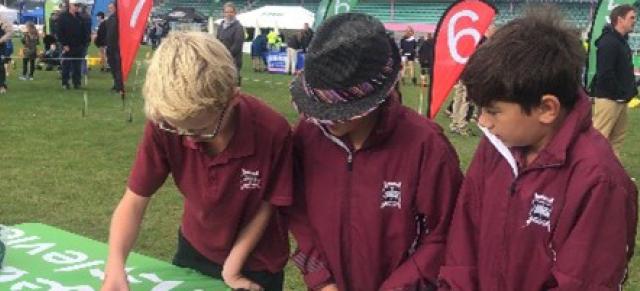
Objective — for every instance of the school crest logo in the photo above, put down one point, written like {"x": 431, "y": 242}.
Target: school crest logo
{"x": 391, "y": 194}
{"x": 541, "y": 209}
{"x": 250, "y": 180}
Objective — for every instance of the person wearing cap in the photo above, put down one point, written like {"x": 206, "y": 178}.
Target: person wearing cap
{"x": 230, "y": 156}
{"x": 72, "y": 35}
{"x": 375, "y": 182}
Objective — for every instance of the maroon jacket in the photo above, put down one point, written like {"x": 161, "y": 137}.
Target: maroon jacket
{"x": 567, "y": 222}
{"x": 375, "y": 218}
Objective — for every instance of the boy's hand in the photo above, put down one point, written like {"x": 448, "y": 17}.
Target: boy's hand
{"x": 239, "y": 282}
{"x": 115, "y": 281}
{"x": 329, "y": 287}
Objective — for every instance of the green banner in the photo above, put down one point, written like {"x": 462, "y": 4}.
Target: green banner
{"x": 328, "y": 8}
{"x": 49, "y": 7}
{"x": 43, "y": 257}
{"x": 599, "y": 21}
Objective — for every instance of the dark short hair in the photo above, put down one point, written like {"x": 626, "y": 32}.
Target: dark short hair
{"x": 529, "y": 57}
{"x": 100, "y": 14}
{"x": 619, "y": 11}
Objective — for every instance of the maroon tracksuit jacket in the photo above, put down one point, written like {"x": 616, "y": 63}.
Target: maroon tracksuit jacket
{"x": 375, "y": 218}
{"x": 566, "y": 222}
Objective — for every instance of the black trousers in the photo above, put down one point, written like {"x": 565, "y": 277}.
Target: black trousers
{"x": 31, "y": 62}
{"x": 72, "y": 68}
{"x": 113, "y": 58}
{"x": 188, "y": 257}
{"x": 3, "y": 73}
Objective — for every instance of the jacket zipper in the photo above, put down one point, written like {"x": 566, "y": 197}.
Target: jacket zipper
{"x": 341, "y": 144}
{"x": 345, "y": 208}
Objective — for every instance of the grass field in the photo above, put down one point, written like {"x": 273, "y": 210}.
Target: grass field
{"x": 69, "y": 171}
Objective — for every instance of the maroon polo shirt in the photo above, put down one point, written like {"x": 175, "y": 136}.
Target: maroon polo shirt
{"x": 222, "y": 193}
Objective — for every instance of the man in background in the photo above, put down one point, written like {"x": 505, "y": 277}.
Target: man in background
{"x": 614, "y": 83}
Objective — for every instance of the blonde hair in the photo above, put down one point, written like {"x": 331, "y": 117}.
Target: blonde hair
{"x": 189, "y": 73}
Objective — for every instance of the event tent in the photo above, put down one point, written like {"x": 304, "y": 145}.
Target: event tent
{"x": 281, "y": 17}
{"x": 35, "y": 15}
{"x": 8, "y": 14}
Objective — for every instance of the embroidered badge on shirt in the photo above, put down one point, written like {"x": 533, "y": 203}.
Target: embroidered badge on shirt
{"x": 391, "y": 194}
{"x": 540, "y": 213}
{"x": 250, "y": 180}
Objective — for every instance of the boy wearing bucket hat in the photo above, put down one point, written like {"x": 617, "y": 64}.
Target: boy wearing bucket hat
{"x": 229, "y": 155}
{"x": 376, "y": 182}
{"x": 545, "y": 204}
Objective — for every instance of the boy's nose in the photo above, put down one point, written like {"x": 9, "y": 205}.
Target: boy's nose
{"x": 483, "y": 120}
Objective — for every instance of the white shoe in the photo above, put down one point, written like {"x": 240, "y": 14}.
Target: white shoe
{"x": 30, "y": 78}
{"x": 23, "y": 78}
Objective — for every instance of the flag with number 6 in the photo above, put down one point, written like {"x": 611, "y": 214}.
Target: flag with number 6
{"x": 457, "y": 35}
{"x": 132, "y": 21}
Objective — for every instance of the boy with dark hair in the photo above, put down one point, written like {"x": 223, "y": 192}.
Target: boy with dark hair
{"x": 545, "y": 204}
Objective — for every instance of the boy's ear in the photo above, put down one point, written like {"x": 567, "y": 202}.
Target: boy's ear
{"x": 549, "y": 109}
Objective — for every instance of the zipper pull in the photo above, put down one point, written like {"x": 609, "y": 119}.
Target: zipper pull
{"x": 350, "y": 162}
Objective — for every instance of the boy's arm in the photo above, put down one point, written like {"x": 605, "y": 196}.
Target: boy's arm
{"x": 459, "y": 271}
{"x": 242, "y": 248}
{"x": 440, "y": 180}
{"x": 123, "y": 232}
{"x": 596, "y": 252}
{"x": 309, "y": 256}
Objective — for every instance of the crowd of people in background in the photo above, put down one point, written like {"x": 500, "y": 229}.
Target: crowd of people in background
{"x": 65, "y": 44}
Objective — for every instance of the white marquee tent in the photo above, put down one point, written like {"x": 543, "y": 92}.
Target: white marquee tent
{"x": 8, "y": 14}
{"x": 281, "y": 17}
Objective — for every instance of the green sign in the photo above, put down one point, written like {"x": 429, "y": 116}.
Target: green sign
{"x": 599, "y": 21}
{"x": 328, "y": 8}
{"x": 42, "y": 257}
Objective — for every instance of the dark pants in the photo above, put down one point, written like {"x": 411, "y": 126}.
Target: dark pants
{"x": 3, "y": 73}
{"x": 32, "y": 66}
{"x": 72, "y": 67}
{"x": 188, "y": 257}
{"x": 113, "y": 57}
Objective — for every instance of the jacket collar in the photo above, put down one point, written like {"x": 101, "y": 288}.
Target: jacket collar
{"x": 386, "y": 123}
{"x": 555, "y": 152}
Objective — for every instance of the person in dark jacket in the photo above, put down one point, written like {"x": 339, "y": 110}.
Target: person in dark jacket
{"x": 112, "y": 41}
{"x": 100, "y": 40}
{"x": 408, "y": 46}
{"x": 425, "y": 57}
{"x": 294, "y": 45}
{"x": 73, "y": 37}
{"x": 614, "y": 83}
{"x": 545, "y": 204}
{"x": 376, "y": 182}
{"x": 6, "y": 32}
{"x": 231, "y": 34}
{"x": 307, "y": 35}
{"x": 258, "y": 51}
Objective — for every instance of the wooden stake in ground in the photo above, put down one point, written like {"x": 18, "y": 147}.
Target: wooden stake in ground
{"x": 85, "y": 108}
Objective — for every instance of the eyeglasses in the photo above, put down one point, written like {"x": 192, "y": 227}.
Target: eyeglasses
{"x": 168, "y": 128}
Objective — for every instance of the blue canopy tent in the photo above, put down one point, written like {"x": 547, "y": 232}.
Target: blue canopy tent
{"x": 36, "y": 15}
{"x": 99, "y": 6}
